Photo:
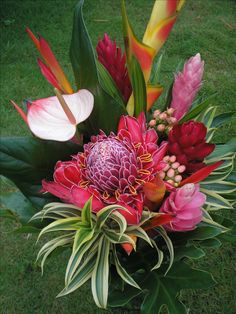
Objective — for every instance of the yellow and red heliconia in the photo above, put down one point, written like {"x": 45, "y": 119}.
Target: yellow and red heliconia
{"x": 163, "y": 18}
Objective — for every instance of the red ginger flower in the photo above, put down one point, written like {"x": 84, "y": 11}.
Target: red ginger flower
{"x": 115, "y": 62}
{"x": 112, "y": 169}
{"x": 187, "y": 142}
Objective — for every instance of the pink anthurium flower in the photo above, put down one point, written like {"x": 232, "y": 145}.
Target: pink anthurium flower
{"x": 55, "y": 118}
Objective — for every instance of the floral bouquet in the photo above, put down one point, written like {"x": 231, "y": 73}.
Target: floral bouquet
{"x": 130, "y": 184}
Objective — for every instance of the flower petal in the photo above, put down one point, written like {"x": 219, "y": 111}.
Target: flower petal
{"x": 47, "y": 119}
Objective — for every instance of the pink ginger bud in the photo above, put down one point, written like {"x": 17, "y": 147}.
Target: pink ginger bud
{"x": 186, "y": 86}
{"x": 185, "y": 203}
{"x": 161, "y": 127}
{"x": 152, "y": 123}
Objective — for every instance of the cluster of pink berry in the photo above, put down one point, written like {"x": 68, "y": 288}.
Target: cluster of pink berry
{"x": 163, "y": 121}
{"x": 171, "y": 172}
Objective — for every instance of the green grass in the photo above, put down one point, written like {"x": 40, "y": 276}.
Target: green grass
{"x": 205, "y": 26}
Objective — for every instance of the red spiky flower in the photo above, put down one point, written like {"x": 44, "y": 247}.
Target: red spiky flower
{"x": 113, "y": 169}
{"x": 187, "y": 142}
{"x": 114, "y": 61}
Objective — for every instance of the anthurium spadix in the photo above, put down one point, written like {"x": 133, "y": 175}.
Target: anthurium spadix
{"x": 56, "y": 118}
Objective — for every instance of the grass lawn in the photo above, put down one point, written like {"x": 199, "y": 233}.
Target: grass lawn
{"x": 205, "y": 26}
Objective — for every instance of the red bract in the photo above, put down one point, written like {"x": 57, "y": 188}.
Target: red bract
{"x": 115, "y": 62}
{"x": 188, "y": 143}
{"x": 112, "y": 169}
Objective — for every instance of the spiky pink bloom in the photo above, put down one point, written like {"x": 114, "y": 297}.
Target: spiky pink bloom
{"x": 112, "y": 169}
{"x": 186, "y": 86}
{"x": 114, "y": 61}
{"x": 185, "y": 203}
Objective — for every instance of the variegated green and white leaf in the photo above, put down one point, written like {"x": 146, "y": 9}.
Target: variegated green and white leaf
{"x": 86, "y": 214}
{"x": 82, "y": 275}
{"x": 82, "y": 235}
{"x": 220, "y": 187}
{"x": 116, "y": 238}
{"x": 105, "y": 213}
{"x": 213, "y": 223}
{"x": 100, "y": 275}
{"x": 140, "y": 233}
{"x": 65, "y": 224}
{"x": 160, "y": 257}
{"x": 122, "y": 272}
{"x": 121, "y": 221}
{"x": 169, "y": 245}
{"x": 77, "y": 256}
{"x": 216, "y": 200}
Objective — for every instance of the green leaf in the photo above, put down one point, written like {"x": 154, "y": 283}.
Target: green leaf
{"x": 86, "y": 76}
{"x": 123, "y": 273}
{"x": 105, "y": 213}
{"x": 18, "y": 204}
{"x": 163, "y": 290}
{"x": 224, "y": 149}
{"x": 86, "y": 214}
{"x": 108, "y": 83}
{"x": 82, "y": 275}
{"x": 191, "y": 252}
{"x": 197, "y": 110}
{"x": 27, "y": 161}
{"x": 223, "y": 118}
{"x": 211, "y": 243}
{"x": 100, "y": 275}
{"x": 138, "y": 86}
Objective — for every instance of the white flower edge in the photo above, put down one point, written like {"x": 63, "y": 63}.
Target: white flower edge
{"x": 47, "y": 119}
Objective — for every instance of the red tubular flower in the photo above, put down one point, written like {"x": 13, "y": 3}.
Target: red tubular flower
{"x": 188, "y": 143}
{"x": 115, "y": 62}
{"x": 112, "y": 169}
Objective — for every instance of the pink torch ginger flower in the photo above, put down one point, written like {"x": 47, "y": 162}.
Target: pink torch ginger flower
{"x": 186, "y": 86}
{"x": 185, "y": 203}
{"x": 112, "y": 169}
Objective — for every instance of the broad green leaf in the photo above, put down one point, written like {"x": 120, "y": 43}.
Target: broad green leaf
{"x": 100, "y": 275}
{"x": 224, "y": 149}
{"x": 223, "y": 118}
{"x": 27, "y": 161}
{"x": 138, "y": 86}
{"x": 122, "y": 272}
{"x": 211, "y": 243}
{"x": 191, "y": 252}
{"x": 163, "y": 290}
{"x": 86, "y": 76}
{"x": 21, "y": 207}
{"x": 197, "y": 110}
{"x": 108, "y": 83}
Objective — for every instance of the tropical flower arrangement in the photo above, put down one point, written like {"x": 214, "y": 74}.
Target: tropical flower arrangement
{"x": 130, "y": 184}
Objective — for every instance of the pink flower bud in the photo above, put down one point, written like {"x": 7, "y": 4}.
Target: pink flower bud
{"x": 178, "y": 178}
{"x": 167, "y": 167}
{"x": 161, "y": 127}
{"x": 185, "y": 203}
{"x": 181, "y": 169}
{"x": 170, "y": 173}
{"x": 162, "y": 174}
{"x": 170, "y": 111}
{"x": 156, "y": 113}
{"x": 172, "y": 120}
{"x": 171, "y": 182}
{"x": 172, "y": 158}
{"x": 175, "y": 165}
{"x": 152, "y": 123}
{"x": 163, "y": 116}
{"x": 166, "y": 158}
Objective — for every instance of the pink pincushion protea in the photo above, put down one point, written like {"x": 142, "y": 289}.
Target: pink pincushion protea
{"x": 112, "y": 169}
{"x": 185, "y": 203}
